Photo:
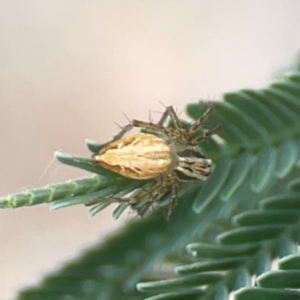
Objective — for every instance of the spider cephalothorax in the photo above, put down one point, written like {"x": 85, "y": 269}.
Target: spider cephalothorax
{"x": 168, "y": 154}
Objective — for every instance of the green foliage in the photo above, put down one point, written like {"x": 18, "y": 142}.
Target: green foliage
{"x": 233, "y": 227}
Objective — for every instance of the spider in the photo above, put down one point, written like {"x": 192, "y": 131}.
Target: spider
{"x": 168, "y": 154}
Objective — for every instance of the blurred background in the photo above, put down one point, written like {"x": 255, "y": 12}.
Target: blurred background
{"x": 68, "y": 69}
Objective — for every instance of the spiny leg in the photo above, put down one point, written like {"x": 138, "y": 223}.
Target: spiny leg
{"x": 134, "y": 123}
{"x": 148, "y": 125}
{"x": 170, "y": 112}
{"x": 142, "y": 210}
{"x": 170, "y": 132}
{"x": 198, "y": 139}
{"x": 173, "y": 201}
{"x": 107, "y": 199}
{"x": 156, "y": 192}
{"x": 153, "y": 191}
{"x": 176, "y": 133}
{"x": 200, "y": 121}
{"x": 154, "y": 196}
{"x": 211, "y": 132}
{"x": 123, "y": 131}
{"x": 119, "y": 135}
{"x": 159, "y": 126}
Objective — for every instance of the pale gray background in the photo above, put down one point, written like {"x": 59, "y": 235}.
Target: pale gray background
{"x": 68, "y": 69}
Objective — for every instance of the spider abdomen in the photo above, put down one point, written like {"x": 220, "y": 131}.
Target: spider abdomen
{"x": 138, "y": 156}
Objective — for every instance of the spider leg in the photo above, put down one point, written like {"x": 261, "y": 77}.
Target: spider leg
{"x": 119, "y": 135}
{"x": 200, "y": 121}
{"x": 197, "y": 140}
{"x": 156, "y": 192}
{"x": 153, "y": 192}
{"x": 142, "y": 210}
{"x": 170, "y": 112}
{"x": 173, "y": 201}
{"x": 107, "y": 199}
{"x": 213, "y": 131}
{"x": 123, "y": 131}
{"x": 148, "y": 125}
{"x": 176, "y": 133}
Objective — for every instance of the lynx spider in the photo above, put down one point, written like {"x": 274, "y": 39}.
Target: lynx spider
{"x": 170, "y": 156}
